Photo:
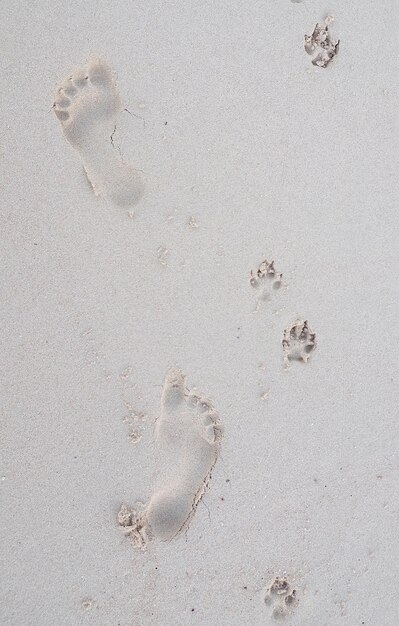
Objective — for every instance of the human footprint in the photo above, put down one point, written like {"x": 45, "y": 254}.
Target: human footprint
{"x": 188, "y": 433}
{"x": 87, "y": 106}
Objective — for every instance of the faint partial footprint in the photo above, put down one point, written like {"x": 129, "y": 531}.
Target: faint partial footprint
{"x": 265, "y": 279}
{"x": 87, "y": 106}
{"x": 188, "y": 433}
{"x": 281, "y": 598}
{"x": 299, "y": 342}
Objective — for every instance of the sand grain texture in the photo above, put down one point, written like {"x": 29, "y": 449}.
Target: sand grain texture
{"x": 275, "y": 158}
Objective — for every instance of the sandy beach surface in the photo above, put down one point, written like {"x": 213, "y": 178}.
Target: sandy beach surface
{"x": 247, "y": 152}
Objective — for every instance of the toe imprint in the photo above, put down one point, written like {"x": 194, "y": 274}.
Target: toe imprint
{"x": 80, "y": 79}
{"x": 62, "y": 115}
{"x": 62, "y": 101}
{"x": 69, "y": 88}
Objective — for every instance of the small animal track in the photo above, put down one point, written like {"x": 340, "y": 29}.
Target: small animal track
{"x": 162, "y": 255}
{"x": 320, "y": 45}
{"x": 87, "y": 603}
{"x": 265, "y": 280}
{"x": 134, "y": 436}
{"x": 135, "y": 419}
{"x": 87, "y": 105}
{"x": 299, "y": 342}
{"x": 192, "y": 222}
{"x": 280, "y": 598}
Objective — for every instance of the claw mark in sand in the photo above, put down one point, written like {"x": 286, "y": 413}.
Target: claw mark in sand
{"x": 162, "y": 255}
{"x": 299, "y": 342}
{"x": 265, "y": 280}
{"x": 87, "y": 105}
{"x": 188, "y": 434}
{"x": 320, "y": 44}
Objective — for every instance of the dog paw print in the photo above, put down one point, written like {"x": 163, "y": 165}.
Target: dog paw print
{"x": 265, "y": 279}
{"x": 299, "y": 342}
{"x": 320, "y": 45}
{"x": 280, "y": 598}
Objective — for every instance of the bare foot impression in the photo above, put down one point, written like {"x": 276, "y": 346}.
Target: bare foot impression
{"x": 281, "y": 598}
{"x": 320, "y": 45}
{"x": 299, "y": 342}
{"x": 188, "y": 434}
{"x": 265, "y": 279}
{"x": 87, "y": 106}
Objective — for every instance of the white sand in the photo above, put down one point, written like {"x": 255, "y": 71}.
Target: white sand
{"x": 236, "y": 131}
